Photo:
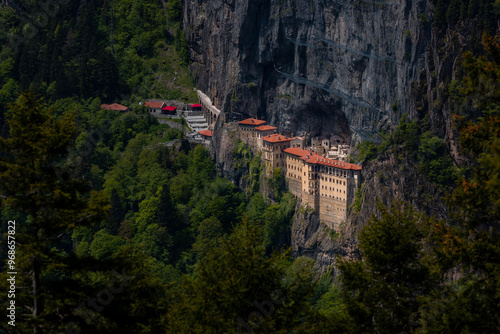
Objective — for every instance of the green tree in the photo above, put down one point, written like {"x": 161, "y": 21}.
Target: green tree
{"x": 29, "y": 185}
{"x": 181, "y": 45}
{"x": 381, "y": 291}
{"x": 435, "y": 161}
{"x": 470, "y": 247}
{"x": 238, "y": 288}
{"x": 209, "y": 231}
{"x": 174, "y": 8}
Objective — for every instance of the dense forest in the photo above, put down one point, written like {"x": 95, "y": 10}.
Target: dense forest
{"x": 124, "y": 226}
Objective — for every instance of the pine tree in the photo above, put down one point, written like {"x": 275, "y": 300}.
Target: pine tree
{"x": 238, "y": 289}
{"x": 30, "y": 185}
{"x": 470, "y": 246}
{"x": 381, "y": 291}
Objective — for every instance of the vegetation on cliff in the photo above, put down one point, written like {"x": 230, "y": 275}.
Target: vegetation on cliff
{"x": 123, "y": 226}
{"x": 450, "y": 269}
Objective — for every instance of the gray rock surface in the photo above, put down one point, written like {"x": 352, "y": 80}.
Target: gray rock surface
{"x": 309, "y": 67}
{"x": 318, "y": 67}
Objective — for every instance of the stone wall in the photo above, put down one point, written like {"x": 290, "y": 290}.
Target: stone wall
{"x": 332, "y": 211}
{"x": 248, "y": 136}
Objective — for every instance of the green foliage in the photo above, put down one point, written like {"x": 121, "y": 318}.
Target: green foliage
{"x": 111, "y": 50}
{"x": 449, "y": 13}
{"x": 381, "y": 292}
{"x": 236, "y": 282}
{"x": 255, "y": 169}
{"x": 219, "y": 199}
{"x": 422, "y": 18}
{"x": 242, "y": 155}
{"x": 30, "y": 186}
{"x": 277, "y": 220}
{"x": 277, "y": 183}
{"x": 334, "y": 235}
{"x": 174, "y": 10}
{"x": 358, "y": 199}
{"x": 327, "y": 297}
{"x": 209, "y": 232}
{"x": 470, "y": 246}
{"x": 181, "y": 45}
{"x": 367, "y": 151}
{"x": 435, "y": 162}
{"x": 407, "y": 136}
{"x": 249, "y": 166}
{"x": 403, "y": 283}
{"x": 104, "y": 244}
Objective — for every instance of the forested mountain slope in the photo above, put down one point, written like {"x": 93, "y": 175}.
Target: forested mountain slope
{"x": 123, "y": 226}
{"x": 360, "y": 70}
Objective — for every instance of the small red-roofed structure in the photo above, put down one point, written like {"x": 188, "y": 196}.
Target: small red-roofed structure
{"x": 252, "y": 122}
{"x": 168, "y": 110}
{"x": 114, "y": 106}
{"x": 206, "y": 133}
{"x": 298, "y": 152}
{"x": 249, "y": 133}
{"x": 262, "y": 131}
{"x": 154, "y": 106}
{"x": 263, "y": 128}
{"x": 196, "y": 106}
{"x": 276, "y": 138}
{"x": 272, "y": 151}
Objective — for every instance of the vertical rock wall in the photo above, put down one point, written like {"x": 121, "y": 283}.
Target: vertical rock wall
{"x": 309, "y": 66}
{"x": 320, "y": 67}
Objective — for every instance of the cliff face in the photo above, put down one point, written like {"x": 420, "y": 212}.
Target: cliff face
{"x": 346, "y": 68}
{"x": 309, "y": 66}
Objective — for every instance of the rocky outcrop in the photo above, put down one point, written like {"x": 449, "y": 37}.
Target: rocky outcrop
{"x": 346, "y": 68}
{"x": 309, "y": 67}
{"x": 314, "y": 239}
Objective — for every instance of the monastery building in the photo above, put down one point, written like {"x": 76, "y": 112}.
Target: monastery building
{"x": 318, "y": 175}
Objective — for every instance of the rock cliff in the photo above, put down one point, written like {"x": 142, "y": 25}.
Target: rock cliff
{"x": 309, "y": 67}
{"x": 342, "y": 67}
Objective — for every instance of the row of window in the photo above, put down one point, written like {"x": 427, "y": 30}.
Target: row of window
{"x": 334, "y": 197}
{"x": 332, "y": 180}
{"x": 328, "y": 170}
{"x": 326, "y": 188}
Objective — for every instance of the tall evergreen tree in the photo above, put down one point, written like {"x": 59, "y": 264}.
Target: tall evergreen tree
{"x": 469, "y": 248}
{"x": 238, "y": 289}
{"x": 381, "y": 291}
{"x": 29, "y": 185}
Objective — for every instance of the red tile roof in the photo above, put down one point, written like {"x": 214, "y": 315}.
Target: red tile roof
{"x": 314, "y": 158}
{"x": 298, "y": 152}
{"x": 196, "y": 105}
{"x": 252, "y": 121}
{"x": 114, "y": 106}
{"x": 265, "y": 128}
{"x": 318, "y": 159}
{"x": 155, "y": 105}
{"x": 276, "y": 138}
{"x": 169, "y": 108}
{"x": 207, "y": 133}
